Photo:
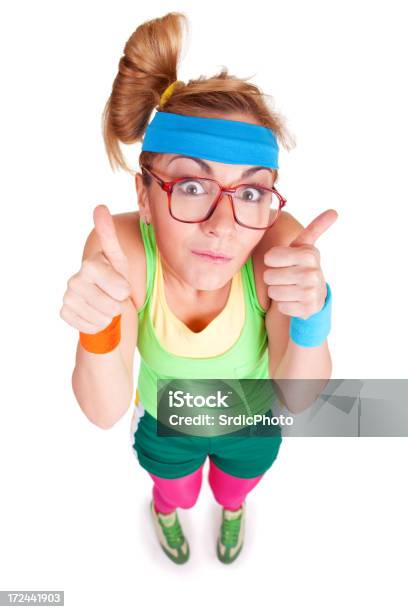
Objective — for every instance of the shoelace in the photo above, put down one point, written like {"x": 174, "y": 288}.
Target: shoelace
{"x": 173, "y": 534}
{"x": 230, "y": 531}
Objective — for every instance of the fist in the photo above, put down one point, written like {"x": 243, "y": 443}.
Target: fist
{"x": 294, "y": 276}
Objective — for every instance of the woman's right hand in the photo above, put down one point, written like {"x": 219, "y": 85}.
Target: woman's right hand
{"x": 100, "y": 290}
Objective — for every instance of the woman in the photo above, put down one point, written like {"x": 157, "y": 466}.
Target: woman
{"x": 209, "y": 278}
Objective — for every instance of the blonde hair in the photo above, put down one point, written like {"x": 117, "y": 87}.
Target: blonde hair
{"x": 148, "y": 66}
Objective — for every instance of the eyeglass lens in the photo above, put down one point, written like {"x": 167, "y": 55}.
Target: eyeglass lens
{"x": 192, "y": 199}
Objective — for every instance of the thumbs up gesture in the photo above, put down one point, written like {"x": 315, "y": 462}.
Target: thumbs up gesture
{"x": 101, "y": 289}
{"x": 294, "y": 277}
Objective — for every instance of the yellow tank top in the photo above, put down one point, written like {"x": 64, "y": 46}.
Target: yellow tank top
{"x": 217, "y": 338}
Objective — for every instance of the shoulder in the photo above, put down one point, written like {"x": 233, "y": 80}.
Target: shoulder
{"x": 281, "y": 233}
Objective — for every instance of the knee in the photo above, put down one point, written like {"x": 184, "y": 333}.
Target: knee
{"x": 230, "y": 490}
{"x": 187, "y": 499}
{"x": 181, "y": 492}
{"x": 226, "y": 497}
{"x": 184, "y": 495}
{"x": 221, "y": 491}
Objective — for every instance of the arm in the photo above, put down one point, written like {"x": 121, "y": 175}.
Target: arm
{"x": 288, "y": 360}
{"x": 103, "y": 383}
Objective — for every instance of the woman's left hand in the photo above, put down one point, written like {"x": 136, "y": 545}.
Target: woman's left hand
{"x": 295, "y": 278}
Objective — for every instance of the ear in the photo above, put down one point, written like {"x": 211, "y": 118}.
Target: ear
{"x": 143, "y": 198}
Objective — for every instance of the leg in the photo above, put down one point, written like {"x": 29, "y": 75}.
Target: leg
{"x": 171, "y": 493}
{"x": 230, "y": 491}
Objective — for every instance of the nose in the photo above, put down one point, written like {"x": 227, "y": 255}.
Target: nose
{"x": 222, "y": 220}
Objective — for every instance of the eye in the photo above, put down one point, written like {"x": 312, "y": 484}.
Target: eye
{"x": 249, "y": 193}
{"x": 190, "y": 187}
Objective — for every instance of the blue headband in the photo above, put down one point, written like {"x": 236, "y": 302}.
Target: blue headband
{"x": 221, "y": 140}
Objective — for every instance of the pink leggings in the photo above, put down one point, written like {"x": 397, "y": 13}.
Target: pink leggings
{"x": 229, "y": 491}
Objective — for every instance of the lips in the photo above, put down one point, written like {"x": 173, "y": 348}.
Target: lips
{"x": 213, "y": 254}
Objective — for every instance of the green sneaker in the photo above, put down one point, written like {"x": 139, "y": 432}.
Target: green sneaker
{"x": 170, "y": 534}
{"x": 231, "y": 539}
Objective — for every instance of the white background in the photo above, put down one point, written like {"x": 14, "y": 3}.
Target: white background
{"x": 327, "y": 525}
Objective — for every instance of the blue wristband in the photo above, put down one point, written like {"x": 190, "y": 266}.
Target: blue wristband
{"x": 314, "y": 330}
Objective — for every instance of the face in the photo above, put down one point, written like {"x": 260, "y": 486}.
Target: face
{"x": 220, "y": 233}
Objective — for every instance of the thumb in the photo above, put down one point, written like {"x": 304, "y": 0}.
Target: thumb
{"x": 106, "y": 232}
{"x": 316, "y": 228}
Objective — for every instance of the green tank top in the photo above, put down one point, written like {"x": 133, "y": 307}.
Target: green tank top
{"x": 247, "y": 358}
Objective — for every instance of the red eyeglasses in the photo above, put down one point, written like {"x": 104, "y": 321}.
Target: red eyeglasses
{"x": 198, "y": 204}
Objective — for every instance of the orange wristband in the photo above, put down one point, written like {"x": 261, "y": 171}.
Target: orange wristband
{"x": 105, "y": 340}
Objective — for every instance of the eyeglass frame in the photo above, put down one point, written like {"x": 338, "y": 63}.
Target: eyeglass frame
{"x": 168, "y": 186}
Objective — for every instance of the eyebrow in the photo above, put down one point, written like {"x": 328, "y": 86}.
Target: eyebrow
{"x": 208, "y": 168}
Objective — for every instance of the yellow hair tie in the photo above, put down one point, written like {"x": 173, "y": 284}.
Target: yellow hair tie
{"x": 168, "y": 91}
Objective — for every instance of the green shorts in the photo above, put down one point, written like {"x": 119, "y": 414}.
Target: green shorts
{"x": 177, "y": 456}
